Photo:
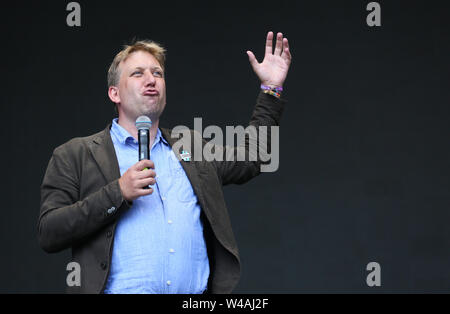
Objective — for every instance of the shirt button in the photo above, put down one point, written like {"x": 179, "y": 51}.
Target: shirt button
{"x": 168, "y": 282}
{"x": 169, "y": 221}
{"x": 172, "y": 251}
{"x": 163, "y": 198}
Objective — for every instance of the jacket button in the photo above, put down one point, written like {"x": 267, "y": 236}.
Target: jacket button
{"x": 103, "y": 265}
{"x": 109, "y": 234}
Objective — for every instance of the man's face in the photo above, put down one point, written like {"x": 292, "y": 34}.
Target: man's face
{"x": 142, "y": 88}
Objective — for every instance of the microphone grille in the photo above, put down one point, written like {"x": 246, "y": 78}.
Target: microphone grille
{"x": 143, "y": 122}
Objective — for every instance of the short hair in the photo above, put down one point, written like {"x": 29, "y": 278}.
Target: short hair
{"x": 149, "y": 46}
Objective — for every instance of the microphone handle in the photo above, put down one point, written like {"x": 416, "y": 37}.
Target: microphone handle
{"x": 144, "y": 146}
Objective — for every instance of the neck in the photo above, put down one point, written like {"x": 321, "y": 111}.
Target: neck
{"x": 130, "y": 126}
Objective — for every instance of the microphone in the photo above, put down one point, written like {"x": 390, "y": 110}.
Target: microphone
{"x": 143, "y": 124}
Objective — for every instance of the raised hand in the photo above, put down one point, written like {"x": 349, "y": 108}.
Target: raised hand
{"x": 274, "y": 68}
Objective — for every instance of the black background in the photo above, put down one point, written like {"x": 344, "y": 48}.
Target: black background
{"x": 364, "y": 164}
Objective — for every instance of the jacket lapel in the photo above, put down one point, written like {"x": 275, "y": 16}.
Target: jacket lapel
{"x": 102, "y": 149}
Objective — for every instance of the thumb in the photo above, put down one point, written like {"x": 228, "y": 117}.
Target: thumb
{"x": 252, "y": 59}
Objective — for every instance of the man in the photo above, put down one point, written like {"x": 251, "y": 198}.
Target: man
{"x": 174, "y": 237}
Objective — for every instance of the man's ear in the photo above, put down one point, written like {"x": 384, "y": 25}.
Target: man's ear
{"x": 113, "y": 93}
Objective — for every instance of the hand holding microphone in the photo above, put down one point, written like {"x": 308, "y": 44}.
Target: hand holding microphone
{"x": 136, "y": 180}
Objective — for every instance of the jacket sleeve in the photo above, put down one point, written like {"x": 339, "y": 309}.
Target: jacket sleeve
{"x": 66, "y": 221}
{"x": 243, "y": 162}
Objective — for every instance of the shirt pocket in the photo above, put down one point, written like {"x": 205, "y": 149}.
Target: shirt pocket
{"x": 181, "y": 185}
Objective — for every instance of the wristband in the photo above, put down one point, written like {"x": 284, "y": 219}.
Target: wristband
{"x": 274, "y": 91}
{"x": 277, "y": 89}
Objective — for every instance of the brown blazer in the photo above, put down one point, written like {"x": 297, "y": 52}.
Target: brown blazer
{"x": 81, "y": 202}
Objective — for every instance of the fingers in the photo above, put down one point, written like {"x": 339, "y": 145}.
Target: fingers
{"x": 286, "y": 54}
{"x": 141, "y": 184}
{"x": 145, "y": 163}
{"x": 146, "y": 182}
{"x": 269, "y": 43}
{"x": 143, "y": 169}
{"x": 144, "y": 174}
{"x": 279, "y": 45}
{"x": 144, "y": 192}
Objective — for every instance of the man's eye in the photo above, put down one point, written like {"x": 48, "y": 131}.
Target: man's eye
{"x": 158, "y": 73}
{"x": 137, "y": 72}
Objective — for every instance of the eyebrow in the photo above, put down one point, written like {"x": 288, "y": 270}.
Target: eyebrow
{"x": 152, "y": 68}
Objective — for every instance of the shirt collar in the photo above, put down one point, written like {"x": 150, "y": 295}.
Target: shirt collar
{"x": 123, "y": 136}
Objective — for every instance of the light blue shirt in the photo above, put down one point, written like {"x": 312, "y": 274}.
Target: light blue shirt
{"x": 158, "y": 244}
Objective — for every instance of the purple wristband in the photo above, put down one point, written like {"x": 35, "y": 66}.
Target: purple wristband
{"x": 278, "y": 89}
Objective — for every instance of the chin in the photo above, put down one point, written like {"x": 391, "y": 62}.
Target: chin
{"x": 152, "y": 114}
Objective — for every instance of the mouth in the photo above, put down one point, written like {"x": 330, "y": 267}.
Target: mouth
{"x": 151, "y": 92}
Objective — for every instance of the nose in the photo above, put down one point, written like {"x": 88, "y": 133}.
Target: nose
{"x": 149, "y": 79}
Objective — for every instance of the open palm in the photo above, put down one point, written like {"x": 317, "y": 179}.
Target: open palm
{"x": 274, "y": 68}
